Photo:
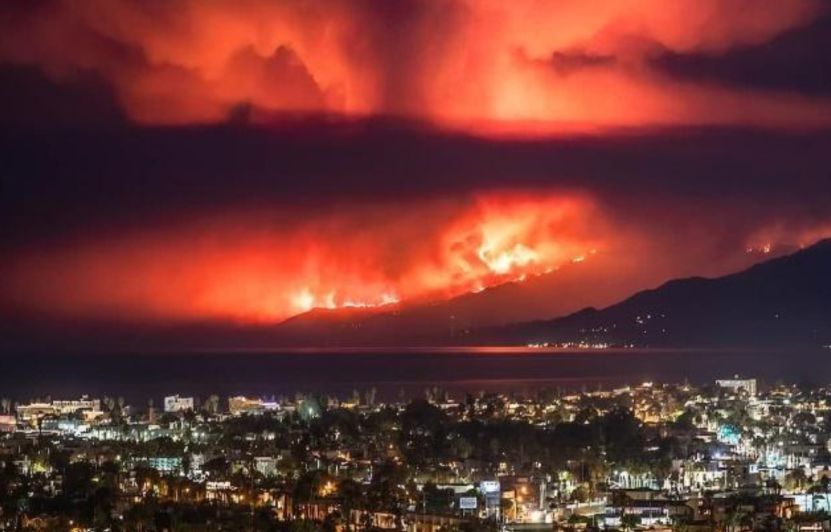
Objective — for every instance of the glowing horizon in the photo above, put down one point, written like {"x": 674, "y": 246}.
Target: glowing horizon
{"x": 246, "y": 268}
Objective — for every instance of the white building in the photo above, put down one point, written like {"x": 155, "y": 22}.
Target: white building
{"x": 8, "y": 423}
{"x": 266, "y": 465}
{"x": 164, "y": 464}
{"x": 735, "y": 384}
{"x": 73, "y": 405}
{"x": 174, "y": 403}
{"x": 88, "y": 408}
{"x": 240, "y": 404}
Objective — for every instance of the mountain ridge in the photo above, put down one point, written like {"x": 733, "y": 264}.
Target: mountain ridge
{"x": 782, "y": 301}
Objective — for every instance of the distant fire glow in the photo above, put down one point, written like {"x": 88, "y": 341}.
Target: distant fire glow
{"x": 255, "y": 268}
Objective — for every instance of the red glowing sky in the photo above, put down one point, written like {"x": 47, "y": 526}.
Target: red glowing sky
{"x": 255, "y": 267}
{"x": 469, "y": 63}
{"x": 220, "y": 160}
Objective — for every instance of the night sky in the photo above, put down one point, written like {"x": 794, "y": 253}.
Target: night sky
{"x": 165, "y": 163}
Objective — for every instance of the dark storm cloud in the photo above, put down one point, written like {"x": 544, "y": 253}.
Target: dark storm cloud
{"x": 29, "y": 100}
{"x": 76, "y": 180}
{"x": 565, "y": 63}
{"x": 797, "y": 61}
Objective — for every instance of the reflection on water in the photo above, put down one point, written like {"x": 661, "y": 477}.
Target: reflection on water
{"x": 267, "y": 372}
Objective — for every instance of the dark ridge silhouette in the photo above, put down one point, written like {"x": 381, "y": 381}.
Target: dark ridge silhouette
{"x": 782, "y": 302}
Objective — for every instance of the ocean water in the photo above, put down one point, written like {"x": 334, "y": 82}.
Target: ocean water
{"x": 142, "y": 376}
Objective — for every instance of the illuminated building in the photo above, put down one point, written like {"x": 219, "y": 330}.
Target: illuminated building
{"x": 174, "y": 403}
{"x": 7, "y": 423}
{"x": 89, "y": 408}
{"x": 246, "y": 405}
{"x": 265, "y": 465}
{"x": 164, "y": 464}
{"x": 72, "y": 406}
{"x": 735, "y": 384}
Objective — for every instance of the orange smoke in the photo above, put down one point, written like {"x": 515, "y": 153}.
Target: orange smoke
{"x": 264, "y": 267}
{"x": 567, "y": 63}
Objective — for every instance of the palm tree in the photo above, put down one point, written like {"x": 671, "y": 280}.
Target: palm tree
{"x": 211, "y": 407}
{"x": 737, "y": 519}
{"x": 109, "y": 405}
{"x": 212, "y": 404}
{"x": 630, "y": 521}
{"x": 796, "y": 479}
{"x": 353, "y": 498}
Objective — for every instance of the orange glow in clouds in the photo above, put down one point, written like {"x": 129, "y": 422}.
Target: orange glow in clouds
{"x": 584, "y": 63}
{"x": 260, "y": 268}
